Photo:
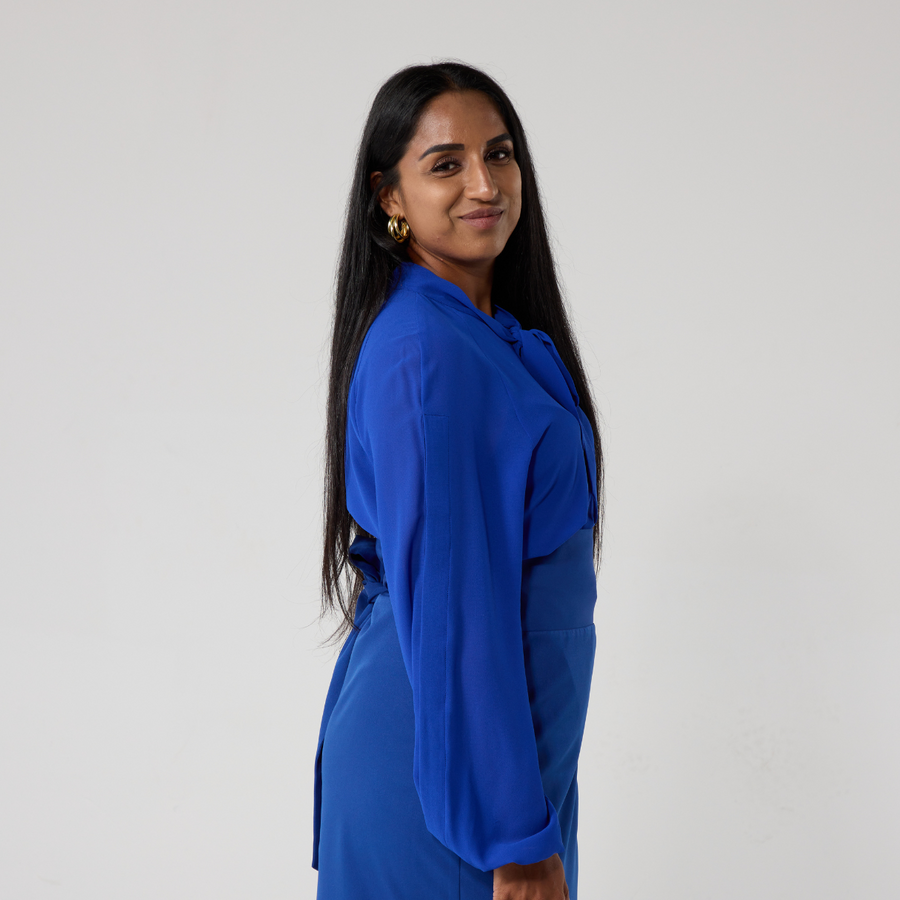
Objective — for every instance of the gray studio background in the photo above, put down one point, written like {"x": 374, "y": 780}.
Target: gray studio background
{"x": 722, "y": 185}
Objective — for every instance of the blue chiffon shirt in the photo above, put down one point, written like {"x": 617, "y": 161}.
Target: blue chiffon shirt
{"x": 467, "y": 453}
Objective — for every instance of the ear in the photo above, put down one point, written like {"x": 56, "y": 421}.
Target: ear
{"x": 387, "y": 196}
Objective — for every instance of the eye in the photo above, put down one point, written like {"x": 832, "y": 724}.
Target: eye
{"x": 501, "y": 154}
{"x": 445, "y": 165}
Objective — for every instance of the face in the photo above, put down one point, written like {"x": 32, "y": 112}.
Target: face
{"x": 460, "y": 188}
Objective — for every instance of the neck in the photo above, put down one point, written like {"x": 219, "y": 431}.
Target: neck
{"x": 474, "y": 279}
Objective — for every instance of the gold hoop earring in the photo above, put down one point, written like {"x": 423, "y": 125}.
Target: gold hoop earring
{"x": 398, "y": 229}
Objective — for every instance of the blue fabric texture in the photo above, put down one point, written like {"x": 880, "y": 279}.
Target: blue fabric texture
{"x": 466, "y": 687}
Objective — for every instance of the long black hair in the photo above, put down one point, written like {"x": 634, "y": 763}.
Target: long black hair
{"x": 525, "y": 283}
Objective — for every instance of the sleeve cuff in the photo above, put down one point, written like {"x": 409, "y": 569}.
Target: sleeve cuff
{"x": 531, "y": 849}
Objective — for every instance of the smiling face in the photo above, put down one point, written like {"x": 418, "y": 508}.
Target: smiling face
{"x": 459, "y": 186}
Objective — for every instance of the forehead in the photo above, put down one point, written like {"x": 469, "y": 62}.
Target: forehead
{"x": 466, "y": 117}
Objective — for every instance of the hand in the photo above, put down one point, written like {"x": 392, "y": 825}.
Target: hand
{"x": 545, "y": 880}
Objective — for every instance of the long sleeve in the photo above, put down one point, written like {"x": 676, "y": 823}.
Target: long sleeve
{"x": 437, "y": 465}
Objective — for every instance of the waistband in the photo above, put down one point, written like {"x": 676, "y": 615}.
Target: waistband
{"x": 365, "y": 553}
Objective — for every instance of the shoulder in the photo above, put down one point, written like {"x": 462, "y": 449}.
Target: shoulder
{"x": 422, "y": 352}
{"x": 411, "y": 326}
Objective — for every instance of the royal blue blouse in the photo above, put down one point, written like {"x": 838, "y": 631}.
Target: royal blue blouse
{"x": 467, "y": 453}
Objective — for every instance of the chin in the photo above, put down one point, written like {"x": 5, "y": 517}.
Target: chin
{"x": 488, "y": 250}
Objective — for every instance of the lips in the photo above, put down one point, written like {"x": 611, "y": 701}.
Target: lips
{"x": 489, "y": 212}
{"x": 484, "y": 218}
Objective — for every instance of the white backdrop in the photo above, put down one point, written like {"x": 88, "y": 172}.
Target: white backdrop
{"x": 722, "y": 184}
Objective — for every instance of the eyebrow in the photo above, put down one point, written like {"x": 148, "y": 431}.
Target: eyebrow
{"x": 440, "y": 148}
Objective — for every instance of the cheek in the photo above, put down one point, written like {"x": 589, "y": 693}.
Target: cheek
{"x": 430, "y": 208}
{"x": 515, "y": 191}
{"x": 517, "y": 205}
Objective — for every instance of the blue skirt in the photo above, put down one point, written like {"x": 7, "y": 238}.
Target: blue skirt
{"x": 370, "y": 841}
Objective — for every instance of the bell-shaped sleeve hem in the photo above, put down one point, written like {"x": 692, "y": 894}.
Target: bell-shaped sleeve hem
{"x": 436, "y": 445}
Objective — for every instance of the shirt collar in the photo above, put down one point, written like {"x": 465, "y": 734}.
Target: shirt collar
{"x": 414, "y": 277}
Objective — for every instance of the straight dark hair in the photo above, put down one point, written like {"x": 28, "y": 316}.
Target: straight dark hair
{"x": 525, "y": 283}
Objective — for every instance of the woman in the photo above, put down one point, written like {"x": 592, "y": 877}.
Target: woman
{"x": 461, "y": 459}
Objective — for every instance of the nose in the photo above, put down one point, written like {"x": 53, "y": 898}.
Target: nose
{"x": 480, "y": 184}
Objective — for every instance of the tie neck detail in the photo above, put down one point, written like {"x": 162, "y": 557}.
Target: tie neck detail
{"x": 534, "y": 347}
